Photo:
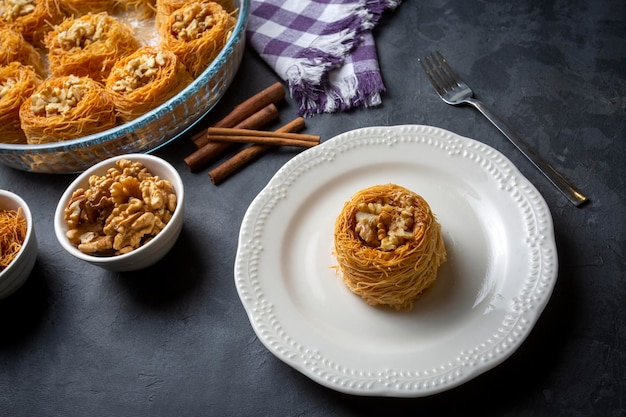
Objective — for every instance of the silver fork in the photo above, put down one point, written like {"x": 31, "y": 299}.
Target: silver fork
{"x": 454, "y": 91}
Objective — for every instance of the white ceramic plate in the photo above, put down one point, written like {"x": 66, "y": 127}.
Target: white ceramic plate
{"x": 501, "y": 268}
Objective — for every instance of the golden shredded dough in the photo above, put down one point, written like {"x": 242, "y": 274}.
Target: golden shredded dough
{"x": 89, "y": 45}
{"x": 164, "y": 8}
{"x": 32, "y": 18}
{"x": 17, "y": 83}
{"x": 145, "y": 79}
{"x": 65, "y": 108}
{"x": 144, "y": 8}
{"x": 86, "y": 38}
{"x": 388, "y": 245}
{"x": 81, "y": 7}
{"x": 197, "y": 32}
{"x": 14, "y": 48}
{"x": 12, "y": 235}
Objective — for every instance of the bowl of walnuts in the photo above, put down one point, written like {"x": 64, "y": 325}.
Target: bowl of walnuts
{"x": 123, "y": 214}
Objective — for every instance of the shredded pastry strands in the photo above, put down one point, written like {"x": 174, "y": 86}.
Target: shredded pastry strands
{"x": 32, "y": 18}
{"x": 65, "y": 40}
{"x": 12, "y": 235}
{"x": 17, "y": 83}
{"x": 66, "y": 108}
{"x": 14, "y": 48}
{"x": 196, "y": 32}
{"x": 145, "y": 79}
{"x": 80, "y": 7}
{"x": 389, "y": 246}
{"x": 164, "y": 8}
{"x": 88, "y": 46}
{"x": 144, "y": 8}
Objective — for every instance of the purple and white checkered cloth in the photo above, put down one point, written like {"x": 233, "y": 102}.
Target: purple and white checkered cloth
{"x": 323, "y": 49}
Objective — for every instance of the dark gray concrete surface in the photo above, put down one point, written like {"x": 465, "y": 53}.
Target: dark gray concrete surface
{"x": 174, "y": 340}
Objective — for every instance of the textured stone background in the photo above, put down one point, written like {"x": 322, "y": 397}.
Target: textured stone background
{"x": 174, "y": 339}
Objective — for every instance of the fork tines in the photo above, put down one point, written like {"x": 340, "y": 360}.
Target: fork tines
{"x": 439, "y": 73}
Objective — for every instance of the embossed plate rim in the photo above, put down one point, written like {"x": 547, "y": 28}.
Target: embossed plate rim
{"x": 501, "y": 271}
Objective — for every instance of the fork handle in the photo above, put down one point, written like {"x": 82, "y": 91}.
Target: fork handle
{"x": 556, "y": 178}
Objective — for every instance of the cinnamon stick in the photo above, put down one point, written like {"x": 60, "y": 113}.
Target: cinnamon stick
{"x": 254, "y": 121}
{"x": 272, "y": 94}
{"x": 268, "y": 139}
{"x": 225, "y": 170}
{"x": 250, "y": 135}
{"x": 209, "y": 150}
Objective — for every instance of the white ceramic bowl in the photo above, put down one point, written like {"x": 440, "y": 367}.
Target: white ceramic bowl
{"x": 149, "y": 253}
{"x": 14, "y": 275}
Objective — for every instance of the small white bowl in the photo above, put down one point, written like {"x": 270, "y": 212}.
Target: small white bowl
{"x": 147, "y": 254}
{"x": 18, "y": 271}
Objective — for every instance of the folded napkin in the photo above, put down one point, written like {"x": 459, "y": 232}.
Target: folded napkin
{"x": 323, "y": 49}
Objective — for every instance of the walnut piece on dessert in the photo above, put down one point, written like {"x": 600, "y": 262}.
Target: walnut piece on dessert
{"x": 385, "y": 225}
{"x": 58, "y": 100}
{"x": 138, "y": 72}
{"x": 191, "y": 23}
{"x": 13, "y": 9}
{"x": 82, "y": 33}
{"x": 6, "y": 86}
